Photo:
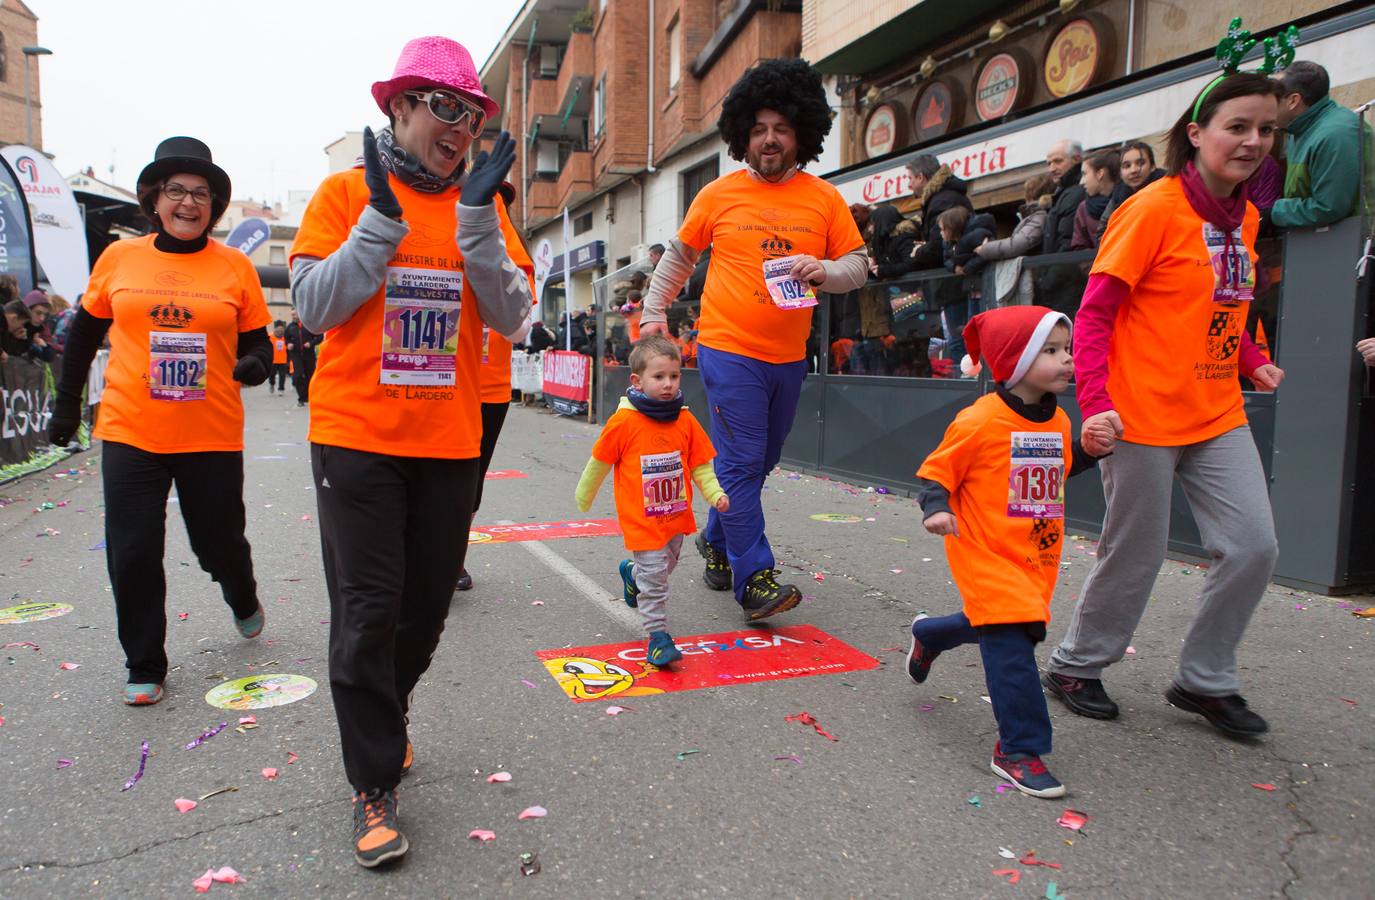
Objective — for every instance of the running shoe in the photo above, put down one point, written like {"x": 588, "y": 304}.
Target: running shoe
{"x": 376, "y": 838}
{"x": 253, "y": 625}
{"x": 919, "y": 659}
{"x": 630, "y": 591}
{"x": 1027, "y": 772}
{"x": 717, "y": 574}
{"x": 662, "y": 651}
{"x": 1228, "y": 715}
{"x": 145, "y": 694}
{"x": 765, "y": 597}
{"x": 1083, "y": 696}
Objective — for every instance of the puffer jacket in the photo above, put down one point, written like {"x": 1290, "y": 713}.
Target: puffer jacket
{"x": 943, "y": 191}
{"x": 980, "y": 228}
{"x": 1025, "y": 239}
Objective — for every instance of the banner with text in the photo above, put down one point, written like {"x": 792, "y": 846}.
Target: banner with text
{"x": 567, "y": 381}
{"x": 59, "y": 233}
{"x": 27, "y": 397}
{"x": 16, "y": 237}
{"x": 527, "y": 372}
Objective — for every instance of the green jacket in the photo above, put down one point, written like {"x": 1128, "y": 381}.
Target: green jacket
{"x": 1322, "y": 184}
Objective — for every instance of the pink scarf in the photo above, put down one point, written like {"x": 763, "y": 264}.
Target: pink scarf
{"x": 1225, "y": 214}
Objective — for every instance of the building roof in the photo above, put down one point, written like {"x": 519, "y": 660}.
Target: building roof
{"x": 86, "y": 181}
{"x": 550, "y": 20}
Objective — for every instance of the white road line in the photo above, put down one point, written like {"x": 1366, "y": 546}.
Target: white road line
{"x": 603, "y": 601}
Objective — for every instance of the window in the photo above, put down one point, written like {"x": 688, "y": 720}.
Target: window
{"x": 276, "y": 256}
{"x": 582, "y": 224}
{"x": 599, "y": 107}
{"x": 696, "y": 178}
{"x": 675, "y": 54}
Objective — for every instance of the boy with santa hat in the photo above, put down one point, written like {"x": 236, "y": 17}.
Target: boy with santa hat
{"x": 995, "y": 489}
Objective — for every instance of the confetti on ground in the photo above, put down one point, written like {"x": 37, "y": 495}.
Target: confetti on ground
{"x": 482, "y": 834}
{"x": 291, "y": 757}
{"x": 951, "y": 699}
{"x": 1072, "y": 819}
{"x": 533, "y": 812}
{"x": 184, "y": 805}
{"x": 975, "y": 802}
{"x": 1006, "y": 853}
{"x": 207, "y": 735}
{"x": 142, "y": 762}
{"x": 1012, "y": 875}
{"x": 1005, "y": 787}
{"x": 927, "y": 707}
{"x": 791, "y": 757}
{"x": 527, "y": 683}
{"x": 1030, "y": 860}
{"x": 65, "y": 763}
{"x": 529, "y": 863}
{"x": 896, "y": 571}
{"x": 216, "y": 793}
{"x": 536, "y": 602}
{"x": 1264, "y": 787}
{"x": 248, "y": 720}
{"x": 270, "y": 773}
{"x": 806, "y": 718}
{"x": 617, "y": 710}
{"x": 1343, "y": 699}
{"x": 1053, "y": 892}
{"x": 68, "y": 667}
{"x": 684, "y": 754}
{"x": 224, "y": 875}
{"x": 19, "y": 644}
{"x": 497, "y": 777}
{"x": 817, "y": 576}
{"x": 183, "y": 616}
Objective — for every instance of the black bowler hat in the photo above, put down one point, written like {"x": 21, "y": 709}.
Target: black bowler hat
{"x": 186, "y": 154}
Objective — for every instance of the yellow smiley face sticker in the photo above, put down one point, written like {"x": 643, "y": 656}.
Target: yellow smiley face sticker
{"x": 592, "y": 679}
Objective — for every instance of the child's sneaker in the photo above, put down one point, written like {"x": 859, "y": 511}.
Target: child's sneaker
{"x": 1027, "y": 772}
{"x": 631, "y": 591}
{"x": 662, "y": 650}
{"x": 919, "y": 659}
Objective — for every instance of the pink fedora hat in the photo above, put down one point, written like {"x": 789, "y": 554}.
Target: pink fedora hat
{"x": 437, "y": 62}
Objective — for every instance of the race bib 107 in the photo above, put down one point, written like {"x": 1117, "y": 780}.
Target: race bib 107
{"x": 665, "y": 488}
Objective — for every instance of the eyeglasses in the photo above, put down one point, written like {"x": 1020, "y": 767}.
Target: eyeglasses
{"x": 452, "y": 109}
{"x": 177, "y": 193}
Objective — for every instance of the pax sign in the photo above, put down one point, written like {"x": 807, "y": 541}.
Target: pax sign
{"x": 1072, "y": 58}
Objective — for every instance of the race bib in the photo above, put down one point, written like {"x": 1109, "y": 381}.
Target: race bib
{"x": 177, "y": 367}
{"x": 787, "y": 292}
{"x": 420, "y": 326}
{"x": 665, "y": 488}
{"x": 1036, "y": 480}
{"x": 1234, "y": 278}
{"x": 486, "y": 342}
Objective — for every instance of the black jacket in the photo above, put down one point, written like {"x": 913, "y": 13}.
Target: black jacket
{"x": 538, "y": 339}
{"x": 982, "y": 227}
{"x": 892, "y": 243}
{"x": 301, "y": 344}
{"x": 1059, "y": 233}
{"x": 943, "y": 191}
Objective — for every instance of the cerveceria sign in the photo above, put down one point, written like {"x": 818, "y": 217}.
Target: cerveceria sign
{"x": 1072, "y": 58}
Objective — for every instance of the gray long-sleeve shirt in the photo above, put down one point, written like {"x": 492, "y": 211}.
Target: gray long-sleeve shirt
{"x": 328, "y": 291}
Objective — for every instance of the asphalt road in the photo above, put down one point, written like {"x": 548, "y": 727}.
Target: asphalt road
{"x": 900, "y": 804}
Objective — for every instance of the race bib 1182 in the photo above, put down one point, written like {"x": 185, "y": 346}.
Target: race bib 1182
{"x": 420, "y": 326}
{"x": 1036, "y": 479}
{"x": 177, "y": 368}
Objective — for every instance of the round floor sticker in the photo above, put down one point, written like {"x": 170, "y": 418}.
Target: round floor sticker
{"x": 479, "y": 537}
{"x": 260, "y": 691}
{"x": 33, "y": 612}
{"x": 840, "y": 518}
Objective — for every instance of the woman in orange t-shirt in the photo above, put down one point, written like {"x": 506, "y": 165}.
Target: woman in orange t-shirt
{"x": 1160, "y": 342}
{"x": 401, "y": 262}
{"x": 186, "y": 319}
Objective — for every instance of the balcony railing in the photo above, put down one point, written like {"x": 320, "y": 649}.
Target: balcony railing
{"x": 576, "y": 178}
{"x": 544, "y": 97}
{"x": 575, "y": 76}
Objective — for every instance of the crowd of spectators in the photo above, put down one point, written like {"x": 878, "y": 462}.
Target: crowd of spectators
{"x": 899, "y": 325}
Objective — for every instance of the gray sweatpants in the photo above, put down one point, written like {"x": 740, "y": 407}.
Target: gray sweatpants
{"x": 652, "y": 568}
{"x": 1226, "y": 488}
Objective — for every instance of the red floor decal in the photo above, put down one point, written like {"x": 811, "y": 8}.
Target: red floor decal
{"x": 709, "y": 660}
{"x": 497, "y": 474}
{"x": 543, "y": 531}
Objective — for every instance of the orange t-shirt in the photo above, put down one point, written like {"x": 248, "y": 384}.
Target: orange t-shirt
{"x": 746, "y": 223}
{"x": 413, "y": 388}
{"x": 653, "y": 481}
{"x": 279, "y": 351}
{"x": 1174, "y": 352}
{"x": 496, "y": 367}
{"x": 174, "y": 340}
{"x": 632, "y": 323}
{"x": 1006, "y": 477}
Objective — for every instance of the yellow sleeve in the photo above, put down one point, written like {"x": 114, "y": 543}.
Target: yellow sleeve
{"x": 591, "y": 482}
{"x": 705, "y": 476}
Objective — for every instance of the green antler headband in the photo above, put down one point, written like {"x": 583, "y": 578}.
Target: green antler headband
{"x": 1277, "y": 54}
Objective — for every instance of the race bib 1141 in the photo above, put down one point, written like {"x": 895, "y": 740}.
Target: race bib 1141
{"x": 1036, "y": 479}
{"x": 420, "y": 326}
{"x": 787, "y": 292}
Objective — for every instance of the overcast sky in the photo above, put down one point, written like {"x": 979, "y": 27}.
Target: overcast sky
{"x": 266, "y": 84}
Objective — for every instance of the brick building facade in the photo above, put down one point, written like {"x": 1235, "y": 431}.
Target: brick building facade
{"x": 18, "y": 29}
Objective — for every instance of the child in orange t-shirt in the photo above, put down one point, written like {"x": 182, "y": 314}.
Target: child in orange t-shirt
{"x": 653, "y": 447}
{"x": 276, "y": 381}
{"x": 995, "y": 489}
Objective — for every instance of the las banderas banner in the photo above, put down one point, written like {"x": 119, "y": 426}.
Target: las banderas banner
{"x": 28, "y": 407}
{"x": 567, "y": 381}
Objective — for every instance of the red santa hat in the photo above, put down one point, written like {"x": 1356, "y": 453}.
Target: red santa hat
{"x": 1008, "y": 338}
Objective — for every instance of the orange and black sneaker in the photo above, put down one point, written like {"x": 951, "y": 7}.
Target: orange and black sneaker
{"x": 376, "y": 839}
{"x": 408, "y": 759}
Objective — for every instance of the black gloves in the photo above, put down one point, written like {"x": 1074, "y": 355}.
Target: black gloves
{"x": 66, "y": 419}
{"x": 250, "y": 371}
{"x": 382, "y": 198}
{"x": 489, "y": 171}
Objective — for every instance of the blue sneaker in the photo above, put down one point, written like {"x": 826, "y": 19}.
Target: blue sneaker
{"x": 631, "y": 592}
{"x": 1027, "y": 772}
{"x": 662, "y": 650}
{"x": 253, "y": 625}
{"x": 919, "y": 659}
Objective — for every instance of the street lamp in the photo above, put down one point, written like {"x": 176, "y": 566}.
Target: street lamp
{"x": 28, "y": 101}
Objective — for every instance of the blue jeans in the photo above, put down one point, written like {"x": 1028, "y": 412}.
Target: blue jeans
{"x": 1014, "y": 683}
{"x": 752, "y": 404}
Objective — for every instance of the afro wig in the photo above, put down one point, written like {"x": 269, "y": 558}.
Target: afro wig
{"x": 789, "y": 87}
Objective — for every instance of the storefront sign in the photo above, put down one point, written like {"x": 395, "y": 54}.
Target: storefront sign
{"x": 881, "y": 131}
{"x": 567, "y": 381}
{"x": 1072, "y": 58}
{"x": 709, "y": 661}
{"x": 998, "y": 87}
{"x": 543, "y": 531}
{"x": 934, "y": 112}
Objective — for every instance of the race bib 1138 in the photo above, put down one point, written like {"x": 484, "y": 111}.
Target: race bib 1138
{"x": 1036, "y": 478}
